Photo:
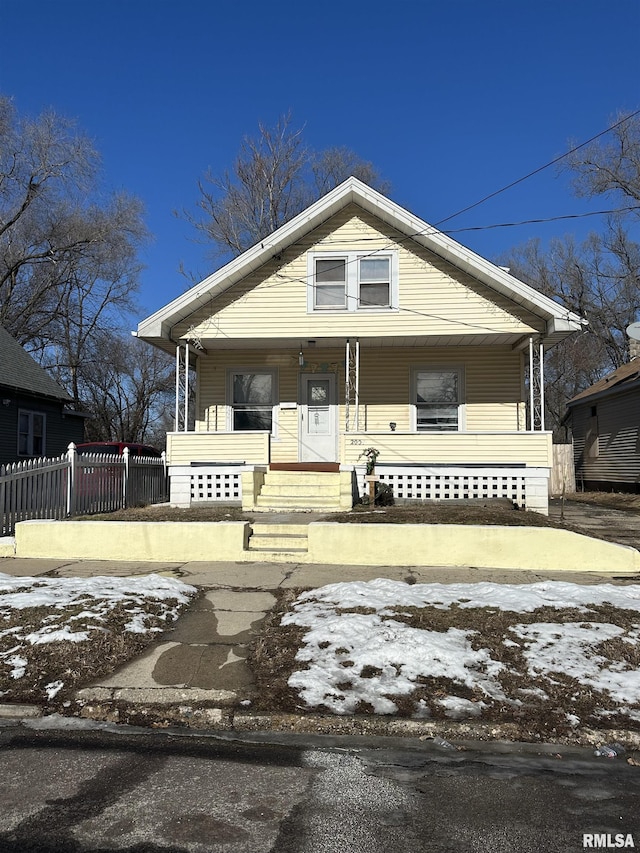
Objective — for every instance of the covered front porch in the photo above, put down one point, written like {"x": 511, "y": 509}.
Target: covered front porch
{"x": 232, "y": 467}
{"x": 448, "y": 417}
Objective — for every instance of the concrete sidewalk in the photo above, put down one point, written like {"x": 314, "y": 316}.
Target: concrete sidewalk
{"x": 199, "y": 668}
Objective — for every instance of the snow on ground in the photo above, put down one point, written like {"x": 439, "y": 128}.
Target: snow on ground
{"x": 41, "y": 611}
{"x": 372, "y": 657}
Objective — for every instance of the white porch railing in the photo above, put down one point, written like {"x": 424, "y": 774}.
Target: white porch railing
{"x": 247, "y": 447}
{"x": 452, "y": 448}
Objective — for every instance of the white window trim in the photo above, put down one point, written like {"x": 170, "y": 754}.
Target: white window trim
{"x": 275, "y": 404}
{"x": 352, "y": 283}
{"x": 31, "y": 413}
{"x": 462, "y": 407}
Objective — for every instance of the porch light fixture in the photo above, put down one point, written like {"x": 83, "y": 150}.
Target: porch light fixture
{"x": 392, "y": 425}
{"x": 301, "y": 358}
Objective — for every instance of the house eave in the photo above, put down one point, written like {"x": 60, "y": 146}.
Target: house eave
{"x": 157, "y": 328}
{"x": 613, "y": 391}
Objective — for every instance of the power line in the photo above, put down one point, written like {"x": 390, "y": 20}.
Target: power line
{"x": 432, "y": 229}
{"x": 539, "y": 221}
{"x": 541, "y": 168}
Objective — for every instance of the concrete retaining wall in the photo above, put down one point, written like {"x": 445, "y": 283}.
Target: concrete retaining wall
{"x": 168, "y": 541}
{"x": 467, "y": 545}
{"x": 532, "y": 548}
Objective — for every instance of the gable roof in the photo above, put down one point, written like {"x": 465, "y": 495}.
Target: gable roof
{"x": 623, "y": 378}
{"x": 559, "y": 320}
{"x": 20, "y": 372}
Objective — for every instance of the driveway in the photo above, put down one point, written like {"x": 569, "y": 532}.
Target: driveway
{"x": 617, "y": 525}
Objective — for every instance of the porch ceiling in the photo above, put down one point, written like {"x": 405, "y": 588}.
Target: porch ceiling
{"x": 365, "y": 342}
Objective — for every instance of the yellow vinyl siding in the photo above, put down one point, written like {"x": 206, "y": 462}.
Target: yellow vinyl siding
{"x": 212, "y": 374}
{"x": 492, "y": 381}
{"x": 531, "y": 448}
{"x": 186, "y": 447}
{"x": 492, "y": 385}
{"x": 435, "y": 297}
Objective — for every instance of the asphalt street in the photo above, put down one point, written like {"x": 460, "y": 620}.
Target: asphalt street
{"x": 139, "y": 792}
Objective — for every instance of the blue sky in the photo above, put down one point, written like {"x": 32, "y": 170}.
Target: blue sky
{"x": 451, "y": 100}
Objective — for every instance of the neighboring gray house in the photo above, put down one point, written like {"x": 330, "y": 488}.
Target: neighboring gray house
{"x": 35, "y": 418}
{"x": 605, "y": 421}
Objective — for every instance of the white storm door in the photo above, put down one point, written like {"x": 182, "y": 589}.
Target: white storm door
{"x": 318, "y": 418}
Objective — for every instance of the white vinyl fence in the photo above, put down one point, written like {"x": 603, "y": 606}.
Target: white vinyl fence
{"x": 75, "y": 484}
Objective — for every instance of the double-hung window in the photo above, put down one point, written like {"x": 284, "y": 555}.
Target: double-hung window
{"x": 330, "y": 283}
{"x": 31, "y": 433}
{"x": 438, "y": 399}
{"x": 374, "y": 282}
{"x": 252, "y": 398}
{"x": 353, "y": 281}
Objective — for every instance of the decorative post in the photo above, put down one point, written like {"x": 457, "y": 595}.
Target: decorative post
{"x": 371, "y": 454}
{"x": 125, "y": 480}
{"x": 72, "y": 456}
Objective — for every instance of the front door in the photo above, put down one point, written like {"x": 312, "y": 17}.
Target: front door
{"x": 318, "y": 418}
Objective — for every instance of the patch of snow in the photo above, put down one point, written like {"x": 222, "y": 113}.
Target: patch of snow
{"x": 19, "y": 665}
{"x": 53, "y": 688}
{"x": 373, "y": 658}
{"x": 56, "y": 635}
{"x": 571, "y": 648}
{"x": 460, "y": 709}
{"x": 396, "y": 655}
{"x": 382, "y": 594}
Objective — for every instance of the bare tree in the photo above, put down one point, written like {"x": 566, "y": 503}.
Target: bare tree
{"x": 68, "y": 257}
{"x": 598, "y": 278}
{"x": 128, "y": 388}
{"x": 610, "y": 167}
{"x": 275, "y": 176}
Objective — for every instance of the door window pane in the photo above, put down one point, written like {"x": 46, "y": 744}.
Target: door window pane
{"x": 318, "y": 392}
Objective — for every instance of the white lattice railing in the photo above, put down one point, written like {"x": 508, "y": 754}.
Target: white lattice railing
{"x": 216, "y": 485}
{"x": 452, "y": 483}
{"x": 205, "y": 483}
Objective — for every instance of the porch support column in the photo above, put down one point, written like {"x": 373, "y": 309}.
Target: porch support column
{"x": 183, "y": 357}
{"x": 176, "y": 419}
{"x": 186, "y": 386}
{"x": 352, "y": 386}
{"x": 536, "y": 385}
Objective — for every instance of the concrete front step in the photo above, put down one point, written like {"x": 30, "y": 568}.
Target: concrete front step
{"x": 272, "y": 539}
{"x": 292, "y": 502}
{"x": 331, "y": 490}
{"x": 299, "y": 491}
{"x": 285, "y": 542}
{"x": 309, "y": 478}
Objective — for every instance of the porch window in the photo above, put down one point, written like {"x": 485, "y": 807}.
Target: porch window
{"x": 31, "y": 433}
{"x": 252, "y": 400}
{"x": 438, "y": 399}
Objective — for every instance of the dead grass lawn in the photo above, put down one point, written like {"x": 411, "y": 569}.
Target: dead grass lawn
{"x": 537, "y": 715}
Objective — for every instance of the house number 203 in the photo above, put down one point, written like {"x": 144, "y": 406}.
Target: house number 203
{"x": 356, "y": 441}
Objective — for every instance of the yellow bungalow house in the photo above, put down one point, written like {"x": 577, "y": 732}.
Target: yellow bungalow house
{"x": 357, "y": 325}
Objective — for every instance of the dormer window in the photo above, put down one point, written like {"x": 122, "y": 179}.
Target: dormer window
{"x": 353, "y": 281}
